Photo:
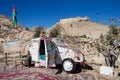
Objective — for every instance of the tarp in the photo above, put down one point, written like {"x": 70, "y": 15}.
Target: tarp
{"x": 12, "y": 46}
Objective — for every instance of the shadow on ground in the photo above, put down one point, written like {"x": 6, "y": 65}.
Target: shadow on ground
{"x": 79, "y": 67}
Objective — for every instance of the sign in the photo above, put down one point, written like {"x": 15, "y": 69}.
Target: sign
{"x": 12, "y": 46}
{"x": 106, "y": 70}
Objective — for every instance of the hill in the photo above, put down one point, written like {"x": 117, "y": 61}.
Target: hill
{"x": 8, "y": 32}
{"x": 81, "y": 26}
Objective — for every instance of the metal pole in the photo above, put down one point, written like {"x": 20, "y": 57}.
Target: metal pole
{"x": 46, "y": 55}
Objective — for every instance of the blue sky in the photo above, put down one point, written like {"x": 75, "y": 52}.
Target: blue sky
{"x": 33, "y": 13}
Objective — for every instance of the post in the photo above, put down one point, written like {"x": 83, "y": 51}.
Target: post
{"x": 20, "y": 54}
{"x": 6, "y": 59}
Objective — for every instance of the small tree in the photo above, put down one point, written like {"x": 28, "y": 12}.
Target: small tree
{"x": 55, "y": 32}
{"x": 102, "y": 40}
{"x": 112, "y": 34}
{"x": 38, "y": 31}
{"x": 113, "y": 30}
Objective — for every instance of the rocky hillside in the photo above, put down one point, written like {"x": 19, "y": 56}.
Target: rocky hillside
{"x": 8, "y": 32}
{"x": 79, "y": 26}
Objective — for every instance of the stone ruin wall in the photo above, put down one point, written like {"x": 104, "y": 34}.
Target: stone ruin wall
{"x": 68, "y": 20}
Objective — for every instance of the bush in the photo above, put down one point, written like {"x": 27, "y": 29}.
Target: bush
{"x": 55, "y": 32}
{"x": 113, "y": 34}
{"x": 38, "y": 31}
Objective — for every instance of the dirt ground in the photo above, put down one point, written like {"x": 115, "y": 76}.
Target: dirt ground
{"x": 40, "y": 73}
